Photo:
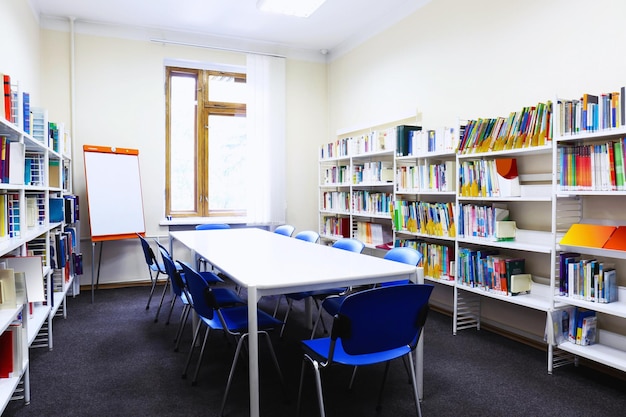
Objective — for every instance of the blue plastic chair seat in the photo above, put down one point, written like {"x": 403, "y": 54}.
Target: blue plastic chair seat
{"x": 318, "y": 349}
{"x": 227, "y": 297}
{"x": 236, "y": 319}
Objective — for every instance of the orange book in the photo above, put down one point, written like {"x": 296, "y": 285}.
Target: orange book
{"x": 589, "y": 235}
{"x": 617, "y": 241}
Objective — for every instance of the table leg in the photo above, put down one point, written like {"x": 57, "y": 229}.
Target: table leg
{"x": 253, "y": 340}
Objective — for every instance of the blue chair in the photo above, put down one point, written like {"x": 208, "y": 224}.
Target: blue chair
{"x": 180, "y": 291}
{"x": 155, "y": 268}
{"x": 212, "y": 226}
{"x": 233, "y": 321}
{"x": 226, "y": 296}
{"x": 307, "y": 236}
{"x": 285, "y": 230}
{"x": 372, "y": 326}
{"x": 200, "y": 262}
{"x": 405, "y": 255}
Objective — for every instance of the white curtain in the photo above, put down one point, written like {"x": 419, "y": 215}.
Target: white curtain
{"x": 266, "y": 138}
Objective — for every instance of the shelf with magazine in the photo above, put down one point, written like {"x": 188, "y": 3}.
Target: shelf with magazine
{"x": 424, "y": 203}
{"x": 334, "y": 197}
{"x": 357, "y": 180}
{"x": 589, "y": 228}
{"x": 504, "y": 246}
{"x": 25, "y": 236}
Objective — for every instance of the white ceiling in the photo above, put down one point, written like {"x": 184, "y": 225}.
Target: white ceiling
{"x": 337, "y": 24}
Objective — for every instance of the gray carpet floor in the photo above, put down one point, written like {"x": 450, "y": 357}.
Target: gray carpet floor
{"x": 111, "y": 359}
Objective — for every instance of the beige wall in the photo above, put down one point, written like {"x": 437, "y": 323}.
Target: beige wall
{"x": 481, "y": 58}
{"x": 19, "y": 32}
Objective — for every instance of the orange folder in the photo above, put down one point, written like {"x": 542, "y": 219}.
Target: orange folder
{"x": 617, "y": 241}
{"x": 589, "y": 235}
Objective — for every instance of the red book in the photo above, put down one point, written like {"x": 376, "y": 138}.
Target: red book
{"x": 6, "y": 354}
{"x": 8, "y": 110}
{"x": 609, "y": 145}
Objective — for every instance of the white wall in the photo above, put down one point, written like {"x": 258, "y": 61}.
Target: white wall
{"x": 19, "y": 31}
{"x": 480, "y": 58}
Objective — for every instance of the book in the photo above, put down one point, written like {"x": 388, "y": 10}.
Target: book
{"x": 608, "y": 291}
{"x": 557, "y": 325}
{"x": 571, "y": 326}
{"x": 580, "y": 316}
{"x": 17, "y": 157}
{"x": 32, "y": 267}
{"x": 588, "y": 330}
{"x": 565, "y": 258}
{"x": 26, "y": 111}
{"x": 6, "y": 354}
{"x": 57, "y": 206}
{"x": 513, "y": 266}
{"x": 7, "y": 289}
{"x": 8, "y": 113}
{"x": 403, "y": 137}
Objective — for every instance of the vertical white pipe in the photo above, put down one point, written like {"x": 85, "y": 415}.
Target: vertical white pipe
{"x": 72, "y": 101}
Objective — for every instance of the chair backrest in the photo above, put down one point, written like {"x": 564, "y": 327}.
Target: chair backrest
{"x": 404, "y": 255}
{"x": 176, "y": 278}
{"x": 349, "y": 244}
{"x": 197, "y": 287}
{"x": 285, "y": 230}
{"x": 308, "y": 236}
{"x": 148, "y": 253}
{"x": 382, "y": 318}
{"x": 212, "y": 226}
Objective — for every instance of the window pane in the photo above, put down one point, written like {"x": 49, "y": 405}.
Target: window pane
{"x": 227, "y": 163}
{"x": 182, "y": 152}
{"x": 227, "y": 89}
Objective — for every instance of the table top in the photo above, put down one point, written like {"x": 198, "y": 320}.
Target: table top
{"x": 274, "y": 263}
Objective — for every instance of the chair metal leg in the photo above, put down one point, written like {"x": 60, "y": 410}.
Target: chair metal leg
{"x": 277, "y": 305}
{"x": 181, "y": 326}
{"x": 195, "y": 374}
{"x": 165, "y": 287}
{"x": 300, "y": 387}
{"x": 352, "y": 378}
{"x": 169, "y": 315}
{"x": 289, "y": 305}
{"x": 317, "y": 320}
{"x": 154, "y": 281}
{"x": 274, "y": 359}
{"x": 414, "y": 383}
{"x": 232, "y": 371}
{"x": 242, "y": 345}
{"x": 318, "y": 383}
{"x": 191, "y": 349}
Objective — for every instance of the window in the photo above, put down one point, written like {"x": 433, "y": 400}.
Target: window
{"x": 206, "y": 143}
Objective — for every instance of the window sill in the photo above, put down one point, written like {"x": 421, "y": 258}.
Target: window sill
{"x": 190, "y": 222}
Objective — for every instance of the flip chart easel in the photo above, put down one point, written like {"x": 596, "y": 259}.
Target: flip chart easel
{"x": 114, "y": 196}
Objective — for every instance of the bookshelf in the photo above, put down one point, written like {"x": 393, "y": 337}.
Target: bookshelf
{"x": 589, "y": 186}
{"x": 26, "y": 237}
{"x": 357, "y": 185}
{"x": 554, "y": 188}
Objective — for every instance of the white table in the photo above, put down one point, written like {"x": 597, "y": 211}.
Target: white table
{"x": 267, "y": 263}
